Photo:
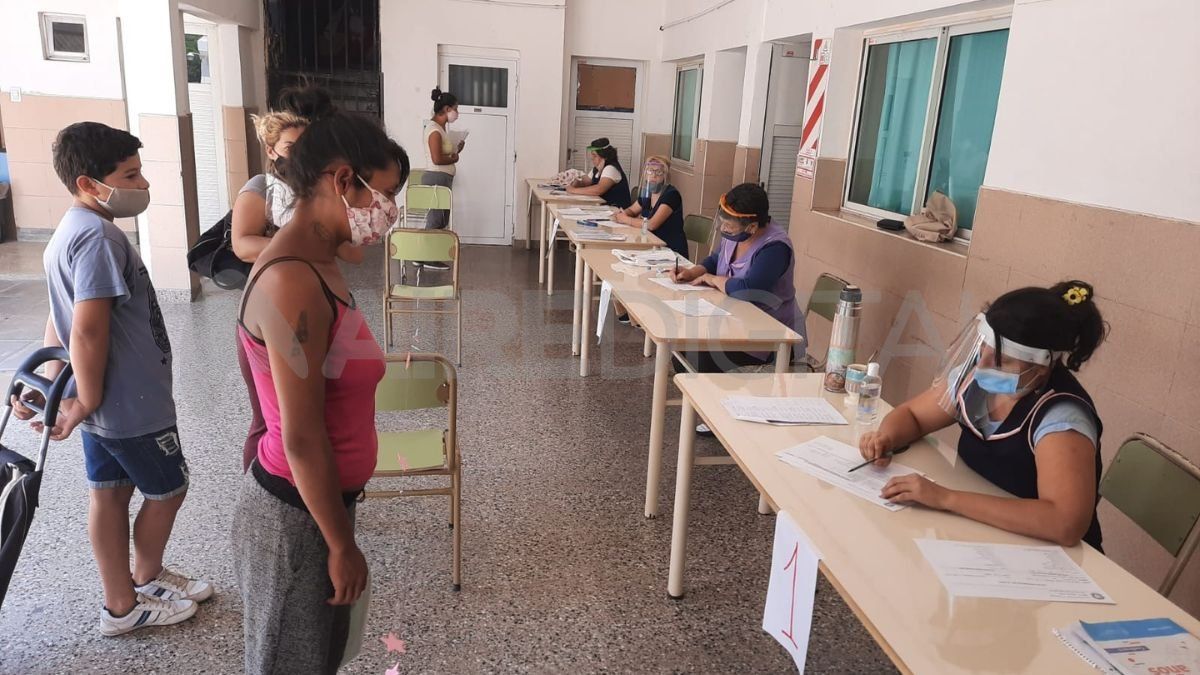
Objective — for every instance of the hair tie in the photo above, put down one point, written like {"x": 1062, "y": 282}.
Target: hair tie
{"x": 736, "y": 214}
{"x": 1076, "y": 295}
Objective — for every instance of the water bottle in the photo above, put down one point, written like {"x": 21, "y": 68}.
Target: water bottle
{"x": 645, "y": 226}
{"x": 843, "y": 338}
{"x": 868, "y": 395}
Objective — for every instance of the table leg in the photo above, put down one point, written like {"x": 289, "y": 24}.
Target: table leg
{"x": 683, "y": 483}
{"x": 529, "y": 221}
{"x": 646, "y": 346}
{"x": 585, "y": 339}
{"x": 783, "y": 357}
{"x": 578, "y": 302}
{"x": 658, "y": 413}
{"x": 542, "y": 247}
{"x": 550, "y": 269}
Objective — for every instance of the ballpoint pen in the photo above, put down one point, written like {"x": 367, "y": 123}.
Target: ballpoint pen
{"x": 889, "y": 453}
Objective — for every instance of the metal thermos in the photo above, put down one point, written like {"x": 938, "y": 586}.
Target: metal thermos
{"x": 843, "y": 339}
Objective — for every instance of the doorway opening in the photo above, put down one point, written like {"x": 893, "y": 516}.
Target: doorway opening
{"x": 331, "y": 43}
{"x": 784, "y": 125}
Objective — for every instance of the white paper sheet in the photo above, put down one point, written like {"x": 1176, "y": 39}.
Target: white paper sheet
{"x": 646, "y": 258}
{"x": 1012, "y": 572}
{"x": 695, "y": 307}
{"x": 831, "y": 461}
{"x": 553, "y": 234}
{"x": 792, "y": 589}
{"x": 456, "y": 136}
{"x": 783, "y": 409}
{"x": 606, "y": 290}
{"x": 599, "y": 236}
{"x": 585, "y": 211}
{"x": 668, "y": 284}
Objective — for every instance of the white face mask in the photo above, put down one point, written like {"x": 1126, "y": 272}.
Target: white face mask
{"x": 452, "y": 116}
{"x": 368, "y": 224}
{"x": 124, "y": 202}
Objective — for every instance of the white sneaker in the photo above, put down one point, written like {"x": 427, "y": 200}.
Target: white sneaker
{"x": 146, "y": 612}
{"x": 703, "y": 430}
{"x": 171, "y": 585}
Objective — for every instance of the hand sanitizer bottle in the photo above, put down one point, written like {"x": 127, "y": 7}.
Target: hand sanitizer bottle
{"x": 868, "y": 395}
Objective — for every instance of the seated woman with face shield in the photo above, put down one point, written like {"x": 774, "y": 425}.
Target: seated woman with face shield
{"x": 607, "y": 179}
{"x": 660, "y": 204}
{"x": 1028, "y": 425}
{"x": 753, "y": 262}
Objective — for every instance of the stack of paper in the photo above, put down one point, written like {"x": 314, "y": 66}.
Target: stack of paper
{"x": 599, "y": 235}
{"x": 783, "y": 409}
{"x": 585, "y": 211}
{"x": 1010, "y": 571}
{"x": 695, "y": 307}
{"x": 646, "y": 258}
{"x": 1142, "y": 647}
{"x": 831, "y": 461}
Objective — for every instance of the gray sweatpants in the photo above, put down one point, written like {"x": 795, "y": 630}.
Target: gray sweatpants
{"x": 436, "y": 219}
{"x": 281, "y": 563}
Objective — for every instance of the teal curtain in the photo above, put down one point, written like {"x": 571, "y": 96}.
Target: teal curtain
{"x": 892, "y": 123}
{"x": 974, "y": 66}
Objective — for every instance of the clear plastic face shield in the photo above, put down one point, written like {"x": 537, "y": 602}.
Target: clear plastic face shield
{"x": 734, "y": 225}
{"x": 983, "y": 370}
{"x": 654, "y": 177}
{"x": 594, "y": 155}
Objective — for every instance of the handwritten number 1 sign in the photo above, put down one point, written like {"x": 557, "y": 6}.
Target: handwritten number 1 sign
{"x": 792, "y": 588}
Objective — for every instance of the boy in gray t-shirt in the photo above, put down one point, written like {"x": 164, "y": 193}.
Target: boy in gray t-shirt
{"x": 103, "y": 310}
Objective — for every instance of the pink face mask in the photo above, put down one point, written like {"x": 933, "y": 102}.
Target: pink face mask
{"x": 368, "y": 224}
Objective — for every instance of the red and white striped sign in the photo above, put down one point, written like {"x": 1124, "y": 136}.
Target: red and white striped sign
{"x": 814, "y": 107}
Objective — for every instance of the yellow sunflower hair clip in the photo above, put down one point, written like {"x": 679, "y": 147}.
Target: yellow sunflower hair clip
{"x": 1076, "y": 295}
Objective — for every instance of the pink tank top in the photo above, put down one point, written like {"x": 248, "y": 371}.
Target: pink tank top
{"x": 353, "y": 368}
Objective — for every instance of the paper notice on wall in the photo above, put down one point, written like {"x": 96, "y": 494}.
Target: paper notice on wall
{"x": 605, "y": 300}
{"x": 806, "y": 163}
{"x": 792, "y": 588}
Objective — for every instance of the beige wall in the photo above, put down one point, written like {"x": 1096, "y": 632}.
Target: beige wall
{"x": 709, "y": 176}
{"x": 30, "y": 127}
{"x": 1146, "y": 378}
{"x": 237, "y": 149}
{"x": 172, "y": 217}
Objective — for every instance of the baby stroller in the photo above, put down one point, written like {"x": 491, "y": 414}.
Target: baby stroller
{"x": 21, "y": 478}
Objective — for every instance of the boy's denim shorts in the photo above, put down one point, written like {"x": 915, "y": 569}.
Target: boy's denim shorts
{"x": 153, "y": 463}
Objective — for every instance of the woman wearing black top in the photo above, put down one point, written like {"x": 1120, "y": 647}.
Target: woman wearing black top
{"x": 660, "y": 205}
{"x": 1028, "y": 425}
{"x": 607, "y": 179}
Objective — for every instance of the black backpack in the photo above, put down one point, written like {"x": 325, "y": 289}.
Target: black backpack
{"x": 213, "y": 256}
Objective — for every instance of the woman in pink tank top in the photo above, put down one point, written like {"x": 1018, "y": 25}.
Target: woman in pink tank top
{"x": 315, "y": 366}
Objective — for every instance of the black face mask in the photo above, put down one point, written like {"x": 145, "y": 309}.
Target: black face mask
{"x": 281, "y": 165}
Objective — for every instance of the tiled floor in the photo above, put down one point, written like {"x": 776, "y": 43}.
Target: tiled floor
{"x": 21, "y": 260}
{"x": 561, "y": 571}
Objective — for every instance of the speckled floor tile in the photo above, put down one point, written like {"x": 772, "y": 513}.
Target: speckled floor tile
{"x": 561, "y": 572}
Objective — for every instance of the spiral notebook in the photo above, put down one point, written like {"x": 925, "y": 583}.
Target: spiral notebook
{"x": 1083, "y": 650}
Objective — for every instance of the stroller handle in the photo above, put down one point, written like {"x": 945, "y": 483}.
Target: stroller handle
{"x": 51, "y": 391}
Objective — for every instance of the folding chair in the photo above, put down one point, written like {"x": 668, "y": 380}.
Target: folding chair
{"x": 421, "y": 382}
{"x": 822, "y": 302}
{"x": 700, "y": 230}
{"x": 1159, "y": 489}
{"x": 419, "y": 200}
{"x": 403, "y": 298}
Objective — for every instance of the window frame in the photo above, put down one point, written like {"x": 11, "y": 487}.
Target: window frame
{"x": 943, "y": 33}
{"x": 48, "y": 19}
{"x": 698, "y": 66}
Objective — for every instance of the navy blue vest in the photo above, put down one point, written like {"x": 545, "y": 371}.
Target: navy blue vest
{"x": 618, "y": 194}
{"x": 1009, "y": 462}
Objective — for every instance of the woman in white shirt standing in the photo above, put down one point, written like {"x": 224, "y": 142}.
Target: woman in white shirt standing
{"x": 607, "y": 180}
{"x": 440, "y": 157}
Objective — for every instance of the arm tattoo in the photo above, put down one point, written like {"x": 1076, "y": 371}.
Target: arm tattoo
{"x": 300, "y": 333}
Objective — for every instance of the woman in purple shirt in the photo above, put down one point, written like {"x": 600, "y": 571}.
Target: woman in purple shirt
{"x": 754, "y": 262}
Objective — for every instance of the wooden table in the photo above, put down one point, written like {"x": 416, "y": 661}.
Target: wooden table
{"x": 547, "y": 196}
{"x": 871, "y": 558}
{"x": 747, "y": 328}
{"x": 569, "y": 225}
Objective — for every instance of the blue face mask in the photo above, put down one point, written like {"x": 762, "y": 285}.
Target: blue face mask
{"x": 739, "y": 237}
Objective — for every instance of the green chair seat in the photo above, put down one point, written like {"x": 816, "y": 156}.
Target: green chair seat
{"x": 420, "y": 450}
{"x": 422, "y": 292}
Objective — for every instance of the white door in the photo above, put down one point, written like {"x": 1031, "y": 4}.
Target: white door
{"x": 484, "y": 180}
{"x": 783, "y": 126}
{"x": 211, "y": 189}
{"x": 607, "y": 102}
